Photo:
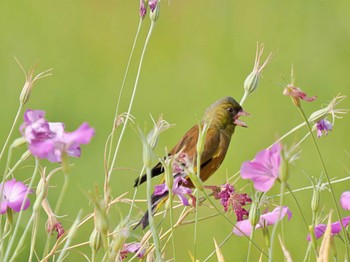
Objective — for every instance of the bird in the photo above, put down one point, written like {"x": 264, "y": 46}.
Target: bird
{"x": 222, "y": 117}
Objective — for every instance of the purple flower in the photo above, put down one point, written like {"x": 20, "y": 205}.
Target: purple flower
{"x": 264, "y": 169}
{"x": 231, "y": 198}
{"x": 49, "y": 140}
{"x": 336, "y": 228}
{"x": 132, "y": 248}
{"x": 178, "y": 189}
{"x": 265, "y": 220}
{"x": 152, "y": 4}
{"x": 323, "y": 126}
{"x": 13, "y": 194}
{"x": 143, "y": 9}
{"x": 345, "y": 200}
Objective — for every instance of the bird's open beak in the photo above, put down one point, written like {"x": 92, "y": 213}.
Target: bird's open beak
{"x": 239, "y": 122}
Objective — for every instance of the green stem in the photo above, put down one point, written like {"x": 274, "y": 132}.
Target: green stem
{"x": 172, "y": 222}
{"x": 150, "y": 216}
{"x": 274, "y": 230}
{"x": 298, "y": 206}
{"x": 250, "y": 243}
{"x": 62, "y": 192}
{"x": 335, "y": 202}
{"x": 221, "y": 244}
{"x": 131, "y": 100}
{"x": 122, "y": 88}
{"x": 11, "y": 130}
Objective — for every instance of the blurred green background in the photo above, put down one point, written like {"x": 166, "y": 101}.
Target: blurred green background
{"x": 200, "y": 51}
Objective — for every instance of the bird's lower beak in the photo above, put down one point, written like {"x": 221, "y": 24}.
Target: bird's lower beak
{"x": 239, "y": 122}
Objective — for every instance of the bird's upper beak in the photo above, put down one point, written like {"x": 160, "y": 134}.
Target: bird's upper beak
{"x": 239, "y": 122}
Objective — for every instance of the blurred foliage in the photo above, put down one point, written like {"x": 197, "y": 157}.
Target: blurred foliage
{"x": 200, "y": 51}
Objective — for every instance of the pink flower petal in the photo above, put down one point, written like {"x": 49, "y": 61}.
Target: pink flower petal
{"x": 345, "y": 200}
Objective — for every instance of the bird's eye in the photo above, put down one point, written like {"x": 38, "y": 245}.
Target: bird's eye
{"x": 230, "y": 109}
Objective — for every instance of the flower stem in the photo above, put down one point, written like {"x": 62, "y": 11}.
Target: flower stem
{"x": 335, "y": 202}
{"x": 131, "y": 101}
{"x": 274, "y": 230}
{"x": 122, "y": 88}
{"x": 11, "y": 130}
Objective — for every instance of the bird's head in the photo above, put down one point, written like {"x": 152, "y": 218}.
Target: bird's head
{"x": 225, "y": 113}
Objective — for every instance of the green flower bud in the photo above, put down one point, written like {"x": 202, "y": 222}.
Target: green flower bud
{"x": 284, "y": 168}
{"x": 254, "y": 214}
{"x": 95, "y": 240}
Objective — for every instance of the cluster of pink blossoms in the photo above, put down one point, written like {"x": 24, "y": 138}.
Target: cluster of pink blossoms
{"x": 45, "y": 140}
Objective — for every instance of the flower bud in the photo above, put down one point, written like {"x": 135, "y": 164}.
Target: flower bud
{"x": 284, "y": 168}
{"x": 26, "y": 90}
{"x": 315, "y": 201}
{"x": 154, "y": 10}
{"x": 251, "y": 82}
{"x": 19, "y": 141}
{"x": 95, "y": 240}
{"x": 254, "y": 214}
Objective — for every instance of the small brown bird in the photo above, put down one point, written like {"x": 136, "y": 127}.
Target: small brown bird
{"x": 223, "y": 118}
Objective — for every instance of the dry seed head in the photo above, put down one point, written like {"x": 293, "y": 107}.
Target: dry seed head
{"x": 30, "y": 80}
{"x": 329, "y": 109}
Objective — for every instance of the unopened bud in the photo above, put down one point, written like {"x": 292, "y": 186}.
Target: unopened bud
{"x": 26, "y": 90}
{"x": 154, "y": 10}
{"x": 95, "y": 240}
{"x": 284, "y": 167}
{"x": 254, "y": 214}
{"x": 251, "y": 82}
{"x": 19, "y": 141}
{"x": 315, "y": 201}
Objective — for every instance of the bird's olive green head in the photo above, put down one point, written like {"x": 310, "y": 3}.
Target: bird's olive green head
{"x": 224, "y": 114}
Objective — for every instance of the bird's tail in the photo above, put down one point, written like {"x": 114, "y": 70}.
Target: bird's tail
{"x": 157, "y": 201}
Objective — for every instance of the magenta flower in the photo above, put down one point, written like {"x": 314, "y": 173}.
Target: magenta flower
{"x": 132, "y": 248}
{"x": 296, "y": 94}
{"x": 49, "y": 140}
{"x": 13, "y": 194}
{"x": 345, "y": 200}
{"x": 265, "y": 220}
{"x": 178, "y": 189}
{"x": 231, "y": 198}
{"x": 336, "y": 228}
{"x": 264, "y": 169}
{"x": 323, "y": 126}
{"x": 143, "y": 8}
{"x": 152, "y": 4}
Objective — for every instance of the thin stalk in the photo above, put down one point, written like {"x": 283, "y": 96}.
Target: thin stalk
{"x": 274, "y": 230}
{"x": 221, "y": 244}
{"x": 11, "y": 130}
{"x": 335, "y": 202}
{"x": 250, "y": 243}
{"x": 131, "y": 100}
{"x": 172, "y": 224}
{"x": 150, "y": 216}
{"x": 122, "y": 88}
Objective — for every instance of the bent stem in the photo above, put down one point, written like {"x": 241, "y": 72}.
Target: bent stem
{"x": 131, "y": 101}
{"x": 122, "y": 88}
{"x": 335, "y": 202}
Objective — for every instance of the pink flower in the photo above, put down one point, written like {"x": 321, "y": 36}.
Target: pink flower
{"x": 264, "y": 169}
{"x": 178, "y": 189}
{"x": 49, "y": 140}
{"x": 345, "y": 200}
{"x": 13, "y": 194}
{"x": 143, "y": 8}
{"x": 132, "y": 248}
{"x": 231, "y": 198}
{"x": 265, "y": 220}
{"x": 296, "y": 94}
{"x": 152, "y": 4}
{"x": 336, "y": 228}
{"x": 323, "y": 126}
